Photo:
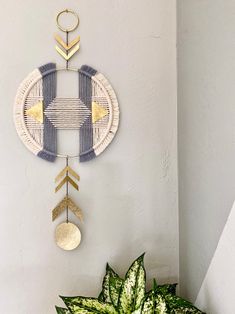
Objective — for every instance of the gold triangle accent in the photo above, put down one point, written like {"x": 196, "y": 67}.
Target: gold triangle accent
{"x": 64, "y": 45}
{"x": 66, "y": 202}
{"x": 69, "y": 180}
{"x": 64, "y": 171}
{"x": 36, "y": 112}
{"x": 70, "y": 54}
{"x": 98, "y": 112}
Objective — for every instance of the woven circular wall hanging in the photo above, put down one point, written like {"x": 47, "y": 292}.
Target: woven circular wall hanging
{"x": 39, "y": 113}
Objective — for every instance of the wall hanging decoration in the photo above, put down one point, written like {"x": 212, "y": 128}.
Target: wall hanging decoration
{"x": 39, "y": 114}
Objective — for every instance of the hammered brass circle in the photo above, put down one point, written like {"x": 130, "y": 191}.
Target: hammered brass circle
{"x": 67, "y": 236}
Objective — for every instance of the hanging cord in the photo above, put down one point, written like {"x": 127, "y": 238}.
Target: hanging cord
{"x": 67, "y": 42}
{"x": 67, "y": 190}
{"x": 67, "y": 158}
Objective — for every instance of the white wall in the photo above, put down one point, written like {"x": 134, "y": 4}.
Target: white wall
{"x": 206, "y": 106}
{"x": 129, "y": 194}
{"x": 216, "y": 295}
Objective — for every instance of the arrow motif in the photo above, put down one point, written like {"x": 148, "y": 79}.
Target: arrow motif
{"x": 67, "y": 203}
{"x": 66, "y": 180}
{"x": 64, "y": 45}
{"x": 66, "y": 170}
{"x": 70, "y": 54}
{"x": 70, "y": 48}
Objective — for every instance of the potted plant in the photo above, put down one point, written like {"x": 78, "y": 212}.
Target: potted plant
{"x": 129, "y": 296}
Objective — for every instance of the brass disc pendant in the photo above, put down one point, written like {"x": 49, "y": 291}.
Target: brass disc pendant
{"x": 67, "y": 236}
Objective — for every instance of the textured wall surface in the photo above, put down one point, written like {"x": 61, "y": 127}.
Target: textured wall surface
{"x": 206, "y": 107}
{"x": 128, "y": 194}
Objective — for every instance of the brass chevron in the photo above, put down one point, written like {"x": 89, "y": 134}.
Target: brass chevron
{"x": 67, "y": 203}
{"x": 66, "y": 170}
{"x": 64, "y": 45}
{"x": 65, "y": 180}
{"x": 70, "y": 54}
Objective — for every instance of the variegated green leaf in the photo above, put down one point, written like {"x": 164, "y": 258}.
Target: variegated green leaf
{"x": 177, "y": 305}
{"x": 105, "y": 294}
{"x": 154, "y": 304}
{"x": 101, "y": 297}
{"x": 115, "y": 285}
{"x": 185, "y": 310}
{"x": 167, "y": 288}
{"x": 137, "y": 311}
{"x": 84, "y": 305}
{"x": 82, "y": 311}
{"x": 61, "y": 310}
{"x": 133, "y": 288}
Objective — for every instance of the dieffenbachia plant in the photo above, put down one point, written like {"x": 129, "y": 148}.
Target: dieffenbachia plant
{"x": 129, "y": 296}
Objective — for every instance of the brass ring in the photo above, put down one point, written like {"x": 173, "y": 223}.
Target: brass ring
{"x": 66, "y": 30}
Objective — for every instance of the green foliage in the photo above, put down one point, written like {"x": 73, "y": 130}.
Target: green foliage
{"x": 60, "y": 310}
{"x": 85, "y": 305}
{"x": 132, "y": 291}
{"x": 112, "y": 284}
{"x": 129, "y": 296}
{"x": 153, "y": 304}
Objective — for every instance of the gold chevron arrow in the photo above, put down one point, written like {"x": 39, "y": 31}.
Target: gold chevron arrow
{"x": 66, "y": 170}
{"x": 64, "y": 45}
{"x": 65, "y": 180}
{"x": 67, "y": 202}
{"x": 70, "y": 54}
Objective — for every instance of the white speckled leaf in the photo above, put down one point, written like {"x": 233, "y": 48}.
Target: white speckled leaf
{"x": 177, "y": 305}
{"x": 137, "y": 311}
{"x": 105, "y": 294}
{"x": 184, "y": 310}
{"x": 154, "y": 304}
{"x": 84, "y": 305}
{"x": 133, "y": 288}
{"x": 115, "y": 285}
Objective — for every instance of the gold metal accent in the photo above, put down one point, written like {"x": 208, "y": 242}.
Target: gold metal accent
{"x": 64, "y": 171}
{"x": 74, "y": 209}
{"x": 70, "y": 54}
{"x": 67, "y": 29}
{"x": 69, "y": 180}
{"x": 36, "y": 112}
{"x": 64, "y": 45}
{"x": 98, "y": 112}
{"x": 67, "y": 236}
{"x": 67, "y": 202}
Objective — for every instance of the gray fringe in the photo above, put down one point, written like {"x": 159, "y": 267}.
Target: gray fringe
{"x": 49, "y": 93}
{"x": 86, "y": 130}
